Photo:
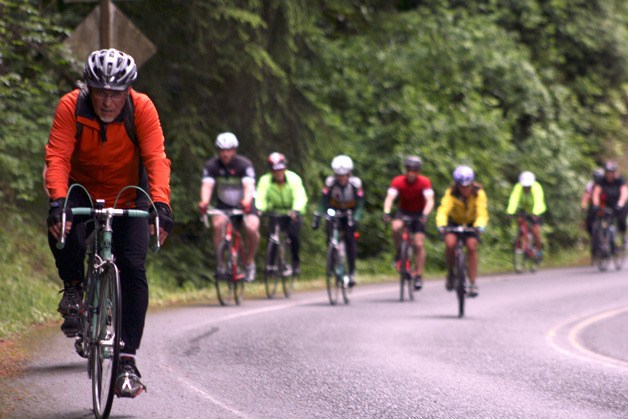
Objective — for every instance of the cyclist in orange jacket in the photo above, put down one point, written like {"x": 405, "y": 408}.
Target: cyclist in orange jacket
{"x": 90, "y": 145}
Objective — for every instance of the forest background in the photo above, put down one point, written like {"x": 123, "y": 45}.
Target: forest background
{"x": 501, "y": 85}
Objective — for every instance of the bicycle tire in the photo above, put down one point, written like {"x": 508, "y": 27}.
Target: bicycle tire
{"x": 332, "y": 289}
{"x": 237, "y": 274}
{"x": 286, "y": 264}
{"x": 405, "y": 270}
{"x": 272, "y": 270}
{"x": 106, "y": 345}
{"x": 460, "y": 286}
{"x": 603, "y": 250}
{"x": 224, "y": 285}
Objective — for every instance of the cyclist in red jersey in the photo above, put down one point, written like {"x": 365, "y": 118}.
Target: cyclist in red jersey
{"x": 416, "y": 198}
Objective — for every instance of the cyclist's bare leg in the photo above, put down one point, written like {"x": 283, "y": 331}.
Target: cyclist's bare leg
{"x": 419, "y": 239}
{"x": 472, "y": 258}
{"x": 396, "y": 226}
{"x": 218, "y": 225}
{"x": 450, "y": 249}
{"x": 252, "y": 237}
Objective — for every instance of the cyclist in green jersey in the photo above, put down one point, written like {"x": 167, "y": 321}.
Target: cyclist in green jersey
{"x": 282, "y": 191}
{"x": 527, "y": 196}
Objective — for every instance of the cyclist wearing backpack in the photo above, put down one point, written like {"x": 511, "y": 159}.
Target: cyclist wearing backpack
{"x": 282, "y": 191}
{"x": 90, "y": 144}
{"x": 343, "y": 192}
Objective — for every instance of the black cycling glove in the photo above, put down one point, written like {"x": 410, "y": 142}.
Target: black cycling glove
{"x": 166, "y": 221}
{"x": 56, "y": 211}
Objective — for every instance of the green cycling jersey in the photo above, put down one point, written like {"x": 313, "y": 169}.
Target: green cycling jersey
{"x": 281, "y": 197}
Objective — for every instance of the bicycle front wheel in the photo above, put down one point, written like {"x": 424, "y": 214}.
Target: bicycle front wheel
{"x": 287, "y": 273}
{"x": 332, "y": 289}
{"x": 272, "y": 269}
{"x": 224, "y": 284}
{"x": 106, "y": 340}
{"x": 461, "y": 286}
{"x": 405, "y": 269}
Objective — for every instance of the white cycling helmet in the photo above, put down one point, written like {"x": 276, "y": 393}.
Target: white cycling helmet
{"x": 110, "y": 69}
{"x": 342, "y": 165}
{"x": 226, "y": 141}
{"x": 526, "y": 179}
{"x": 463, "y": 175}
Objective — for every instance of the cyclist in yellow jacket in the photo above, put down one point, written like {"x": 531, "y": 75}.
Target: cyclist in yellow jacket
{"x": 464, "y": 203}
{"x": 527, "y": 197}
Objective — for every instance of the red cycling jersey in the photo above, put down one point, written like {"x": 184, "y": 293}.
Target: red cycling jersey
{"x": 411, "y": 195}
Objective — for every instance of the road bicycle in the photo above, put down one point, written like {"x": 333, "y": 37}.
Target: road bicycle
{"x": 525, "y": 254}
{"x": 230, "y": 254}
{"x": 605, "y": 247}
{"x": 99, "y": 336}
{"x": 337, "y": 272}
{"x": 406, "y": 263}
{"x": 459, "y": 271}
{"x": 278, "y": 257}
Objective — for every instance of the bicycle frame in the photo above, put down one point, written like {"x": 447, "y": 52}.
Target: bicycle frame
{"x": 524, "y": 251}
{"x": 230, "y": 246}
{"x": 336, "y": 256}
{"x": 460, "y": 264}
{"x": 99, "y": 337}
{"x": 406, "y": 260}
{"x": 278, "y": 265}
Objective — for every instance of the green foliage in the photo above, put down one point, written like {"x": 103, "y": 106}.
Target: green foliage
{"x": 30, "y": 73}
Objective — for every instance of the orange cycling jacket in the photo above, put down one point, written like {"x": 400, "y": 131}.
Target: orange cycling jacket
{"x": 106, "y": 161}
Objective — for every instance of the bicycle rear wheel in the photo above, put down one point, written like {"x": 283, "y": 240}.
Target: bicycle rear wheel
{"x": 272, "y": 270}
{"x": 106, "y": 345}
{"x": 405, "y": 269}
{"x": 332, "y": 289}
{"x": 460, "y": 286}
{"x": 224, "y": 285}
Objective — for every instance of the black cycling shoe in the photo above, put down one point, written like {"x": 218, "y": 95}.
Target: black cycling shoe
{"x": 128, "y": 382}
{"x": 449, "y": 283}
{"x": 72, "y": 300}
{"x": 71, "y": 325}
{"x": 418, "y": 282}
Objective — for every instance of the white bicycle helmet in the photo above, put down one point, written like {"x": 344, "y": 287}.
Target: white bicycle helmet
{"x": 526, "y": 179}
{"x": 226, "y": 141}
{"x": 110, "y": 69}
{"x": 342, "y": 165}
{"x": 463, "y": 175}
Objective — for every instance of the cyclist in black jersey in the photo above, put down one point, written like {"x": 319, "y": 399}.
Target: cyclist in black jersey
{"x": 343, "y": 191}
{"x": 233, "y": 178}
{"x": 611, "y": 192}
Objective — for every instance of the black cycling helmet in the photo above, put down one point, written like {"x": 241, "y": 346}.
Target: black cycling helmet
{"x": 110, "y": 69}
{"x": 413, "y": 163}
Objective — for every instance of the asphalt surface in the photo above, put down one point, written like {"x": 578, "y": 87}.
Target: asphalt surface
{"x": 548, "y": 345}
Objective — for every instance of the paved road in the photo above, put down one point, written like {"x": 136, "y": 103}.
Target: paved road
{"x": 549, "y": 345}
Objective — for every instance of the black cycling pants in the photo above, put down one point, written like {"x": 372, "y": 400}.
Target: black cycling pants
{"x": 293, "y": 231}
{"x": 350, "y": 244}
{"x": 130, "y": 247}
